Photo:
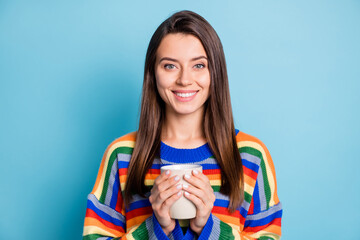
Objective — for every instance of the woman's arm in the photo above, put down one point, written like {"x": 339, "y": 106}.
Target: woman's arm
{"x": 105, "y": 214}
{"x": 260, "y": 215}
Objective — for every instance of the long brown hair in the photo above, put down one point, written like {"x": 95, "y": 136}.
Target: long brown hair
{"x": 218, "y": 119}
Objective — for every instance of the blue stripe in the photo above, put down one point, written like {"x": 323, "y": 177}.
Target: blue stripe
{"x": 263, "y": 221}
{"x": 250, "y": 165}
{"x": 243, "y": 212}
{"x": 256, "y": 198}
{"x": 209, "y": 166}
{"x": 159, "y": 233}
{"x": 123, "y": 164}
{"x": 206, "y": 166}
{"x": 115, "y": 191}
{"x": 138, "y": 204}
{"x": 206, "y": 232}
{"x": 225, "y": 204}
{"x": 221, "y": 203}
{"x": 104, "y": 215}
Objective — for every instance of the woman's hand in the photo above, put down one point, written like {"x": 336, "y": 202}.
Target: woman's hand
{"x": 200, "y": 192}
{"x": 163, "y": 195}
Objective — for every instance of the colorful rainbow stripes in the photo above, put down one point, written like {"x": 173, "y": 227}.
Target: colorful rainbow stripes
{"x": 259, "y": 216}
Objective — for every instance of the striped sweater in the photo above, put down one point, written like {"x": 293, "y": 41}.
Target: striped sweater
{"x": 259, "y": 216}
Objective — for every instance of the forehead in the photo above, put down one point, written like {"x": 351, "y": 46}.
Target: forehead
{"x": 180, "y": 45}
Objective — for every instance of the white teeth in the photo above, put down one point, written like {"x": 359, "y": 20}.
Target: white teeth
{"x": 185, "y": 95}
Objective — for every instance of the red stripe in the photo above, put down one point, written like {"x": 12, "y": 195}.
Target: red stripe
{"x": 211, "y": 171}
{"x": 123, "y": 171}
{"x": 91, "y": 214}
{"x": 119, "y": 203}
{"x": 276, "y": 221}
{"x": 154, "y": 171}
{"x": 224, "y": 211}
{"x": 242, "y": 220}
{"x": 250, "y": 173}
{"x": 138, "y": 212}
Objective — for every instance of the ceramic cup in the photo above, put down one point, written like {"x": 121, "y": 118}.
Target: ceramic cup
{"x": 182, "y": 208}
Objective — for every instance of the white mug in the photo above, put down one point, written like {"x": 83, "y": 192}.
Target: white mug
{"x": 182, "y": 208}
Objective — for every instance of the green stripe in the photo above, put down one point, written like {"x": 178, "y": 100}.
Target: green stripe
{"x": 266, "y": 183}
{"x": 250, "y": 150}
{"x": 258, "y": 154}
{"x": 225, "y": 231}
{"x": 216, "y": 188}
{"x": 265, "y": 238}
{"x": 124, "y": 150}
{"x": 112, "y": 158}
{"x": 247, "y": 197}
{"x": 141, "y": 232}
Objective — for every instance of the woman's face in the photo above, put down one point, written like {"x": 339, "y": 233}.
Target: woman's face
{"x": 182, "y": 74}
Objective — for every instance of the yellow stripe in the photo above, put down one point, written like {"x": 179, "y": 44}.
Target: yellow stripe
{"x": 235, "y": 231}
{"x": 249, "y": 189}
{"x": 130, "y": 232}
{"x": 99, "y": 189}
{"x": 149, "y": 182}
{"x": 269, "y": 173}
{"x": 215, "y": 182}
{"x": 96, "y": 230}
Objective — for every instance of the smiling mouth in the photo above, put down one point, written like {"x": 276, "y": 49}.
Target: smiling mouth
{"x": 185, "y": 95}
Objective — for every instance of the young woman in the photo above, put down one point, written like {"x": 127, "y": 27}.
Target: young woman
{"x": 186, "y": 117}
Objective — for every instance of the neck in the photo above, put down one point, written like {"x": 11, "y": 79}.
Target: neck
{"x": 183, "y": 131}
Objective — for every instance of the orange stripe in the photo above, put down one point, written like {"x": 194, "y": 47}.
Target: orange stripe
{"x": 127, "y": 137}
{"x": 97, "y": 223}
{"x": 249, "y": 180}
{"x": 214, "y": 176}
{"x": 272, "y": 228}
{"x": 136, "y": 221}
{"x": 228, "y": 219}
{"x": 123, "y": 178}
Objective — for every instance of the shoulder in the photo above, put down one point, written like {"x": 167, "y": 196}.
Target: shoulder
{"x": 254, "y": 151}
{"x": 125, "y": 141}
{"x": 124, "y": 144}
{"x": 245, "y": 140}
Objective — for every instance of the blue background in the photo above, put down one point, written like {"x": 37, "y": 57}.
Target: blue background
{"x": 70, "y": 83}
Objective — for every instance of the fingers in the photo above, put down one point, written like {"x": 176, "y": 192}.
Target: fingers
{"x": 199, "y": 190}
{"x": 164, "y": 193}
{"x": 163, "y": 188}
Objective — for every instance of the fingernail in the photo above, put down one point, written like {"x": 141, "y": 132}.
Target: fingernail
{"x": 177, "y": 178}
{"x": 178, "y": 186}
{"x": 167, "y": 172}
{"x": 186, "y": 193}
{"x": 185, "y": 186}
{"x": 187, "y": 176}
{"x": 195, "y": 172}
{"x": 179, "y": 193}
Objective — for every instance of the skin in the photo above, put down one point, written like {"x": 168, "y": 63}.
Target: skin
{"x": 183, "y": 82}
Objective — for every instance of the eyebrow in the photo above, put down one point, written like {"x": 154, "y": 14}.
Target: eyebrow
{"x": 174, "y": 60}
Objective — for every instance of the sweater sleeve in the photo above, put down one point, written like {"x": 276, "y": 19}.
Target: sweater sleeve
{"x": 105, "y": 214}
{"x": 263, "y": 218}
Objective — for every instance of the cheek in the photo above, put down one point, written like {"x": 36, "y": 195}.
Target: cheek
{"x": 204, "y": 81}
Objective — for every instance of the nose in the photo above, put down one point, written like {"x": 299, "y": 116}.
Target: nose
{"x": 184, "y": 78}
